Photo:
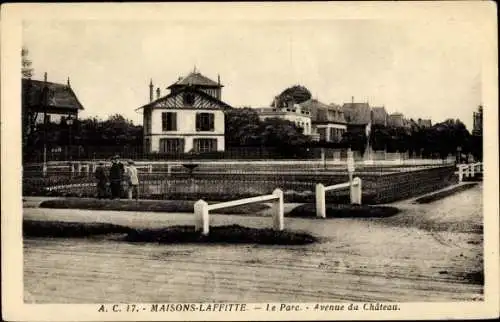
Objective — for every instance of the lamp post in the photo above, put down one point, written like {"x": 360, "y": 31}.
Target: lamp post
{"x": 70, "y": 124}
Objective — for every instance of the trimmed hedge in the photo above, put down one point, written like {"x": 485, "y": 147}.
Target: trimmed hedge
{"x": 443, "y": 194}
{"x": 232, "y": 234}
{"x": 344, "y": 211}
{"x": 144, "y": 205}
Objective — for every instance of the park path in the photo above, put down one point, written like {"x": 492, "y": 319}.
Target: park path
{"x": 390, "y": 259}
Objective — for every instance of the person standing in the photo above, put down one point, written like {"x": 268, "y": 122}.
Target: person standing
{"x": 133, "y": 180}
{"x": 102, "y": 180}
{"x": 116, "y": 177}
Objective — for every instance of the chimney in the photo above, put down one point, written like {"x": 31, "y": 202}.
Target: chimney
{"x": 151, "y": 90}
{"x": 45, "y": 77}
{"x": 352, "y": 99}
{"x": 157, "y": 93}
{"x": 218, "y": 79}
{"x": 69, "y": 84}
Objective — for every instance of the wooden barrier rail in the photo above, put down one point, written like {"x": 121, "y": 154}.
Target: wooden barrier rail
{"x": 355, "y": 194}
{"x": 469, "y": 170}
{"x": 202, "y": 208}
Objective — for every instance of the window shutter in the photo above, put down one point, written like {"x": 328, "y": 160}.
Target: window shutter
{"x": 211, "y": 121}
{"x": 174, "y": 121}
{"x": 164, "y": 121}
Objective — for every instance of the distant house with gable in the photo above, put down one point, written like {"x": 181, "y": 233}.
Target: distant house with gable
{"x": 379, "y": 116}
{"x": 328, "y": 121}
{"x": 396, "y": 120}
{"x": 55, "y": 101}
{"x": 188, "y": 119}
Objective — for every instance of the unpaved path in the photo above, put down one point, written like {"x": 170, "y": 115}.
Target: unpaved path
{"x": 391, "y": 259}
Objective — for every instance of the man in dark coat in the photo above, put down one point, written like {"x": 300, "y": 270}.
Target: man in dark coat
{"x": 116, "y": 177}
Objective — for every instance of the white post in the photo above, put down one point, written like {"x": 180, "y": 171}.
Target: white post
{"x": 169, "y": 170}
{"x": 201, "y": 219}
{"x": 356, "y": 191}
{"x": 87, "y": 168}
{"x": 472, "y": 168}
{"x": 94, "y": 166}
{"x": 278, "y": 211}
{"x": 44, "y": 169}
{"x": 460, "y": 173}
{"x": 72, "y": 169}
{"x": 320, "y": 201}
{"x": 150, "y": 168}
{"x": 79, "y": 168}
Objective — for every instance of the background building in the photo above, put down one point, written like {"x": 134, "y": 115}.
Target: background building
{"x": 477, "y": 128}
{"x": 396, "y": 120}
{"x": 56, "y": 101}
{"x": 189, "y": 119}
{"x": 293, "y": 112}
{"x": 328, "y": 121}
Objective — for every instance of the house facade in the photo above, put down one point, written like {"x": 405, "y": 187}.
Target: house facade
{"x": 328, "y": 123}
{"x": 188, "y": 119}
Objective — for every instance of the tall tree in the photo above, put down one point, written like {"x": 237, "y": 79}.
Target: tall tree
{"x": 26, "y": 70}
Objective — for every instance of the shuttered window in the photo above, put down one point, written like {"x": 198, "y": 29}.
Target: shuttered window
{"x": 171, "y": 146}
{"x": 204, "y": 122}
{"x": 205, "y": 145}
{"x": 169, "y": 121}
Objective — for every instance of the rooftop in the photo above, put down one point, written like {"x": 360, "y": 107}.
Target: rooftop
{"x": 195, "y": 78}
{"x": 59, "y": 95}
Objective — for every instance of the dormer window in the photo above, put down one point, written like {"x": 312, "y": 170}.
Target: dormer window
{"x": 188, "y": 99}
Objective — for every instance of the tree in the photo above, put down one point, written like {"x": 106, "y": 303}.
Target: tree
{"x": 296, "y": 93}
{"x": 241, "y": 127}
{"x": 26, "y": 70}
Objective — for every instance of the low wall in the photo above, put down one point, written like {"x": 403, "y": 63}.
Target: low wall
{"x": 378, "y": 187}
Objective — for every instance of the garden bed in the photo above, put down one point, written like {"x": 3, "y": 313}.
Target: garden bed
{"x": 171, "y": 206}
{"x": 231, "y": 234}
{"x": 344, "y": 211}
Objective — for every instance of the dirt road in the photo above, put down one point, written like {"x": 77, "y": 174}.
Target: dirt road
{"x": 403, "y": 258}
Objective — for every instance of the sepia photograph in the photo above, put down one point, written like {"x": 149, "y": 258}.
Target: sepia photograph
{"x": 251, "y": 160}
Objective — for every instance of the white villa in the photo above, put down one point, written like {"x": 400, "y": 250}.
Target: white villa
{"x": 189, "y": 119}
{"x": 292, "y": 112}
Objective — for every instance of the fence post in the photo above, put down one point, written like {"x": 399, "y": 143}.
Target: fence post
{"x": 356, "y": 191}
{"x": 320, "y": 201}
{"x": 169, "y": 169}
{"x": 278, "y": 211}
{"x": 150, "y": 168}
{"x": 201, "y": 219}
{"x": 44, "y": 169}
{"x": 460, "y": 173}
{"x": 472, "y": 168}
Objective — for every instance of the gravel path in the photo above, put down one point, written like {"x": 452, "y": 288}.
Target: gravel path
{"x": 409, "y": 257}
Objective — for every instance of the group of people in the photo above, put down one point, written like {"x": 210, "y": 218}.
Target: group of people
{"x": 121, "y": 177}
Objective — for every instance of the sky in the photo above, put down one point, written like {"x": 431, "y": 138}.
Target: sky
{"x": 429, "y": 68}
